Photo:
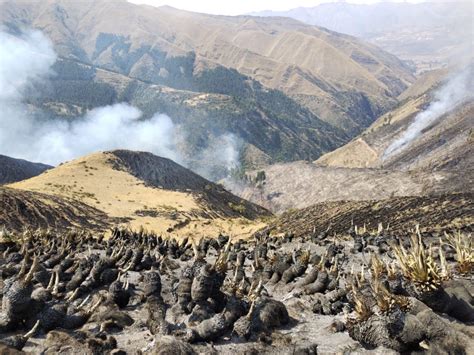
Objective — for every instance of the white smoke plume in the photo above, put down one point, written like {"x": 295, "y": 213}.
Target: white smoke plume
{"x": 28, "y": 59}
{"x": 104, "y": 128}
{"x": 223, "y": 151}
{"x": 456, "y": 90}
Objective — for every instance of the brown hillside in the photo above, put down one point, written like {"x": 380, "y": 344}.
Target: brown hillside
{"x": 440, "y": 159}
{"x": 340, "y": 78}
{"x": 446, "y": 144}
{"x": 302, "y": 184}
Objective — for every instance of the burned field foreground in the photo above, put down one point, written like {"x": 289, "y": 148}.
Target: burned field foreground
{"x": 358, "y": 290}
{"x": 432, "y": 213}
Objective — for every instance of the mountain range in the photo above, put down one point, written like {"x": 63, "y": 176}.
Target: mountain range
{"x": 429, "y": 35}
{"x": 287, "y": 90}
{"x": 313, "y": 115}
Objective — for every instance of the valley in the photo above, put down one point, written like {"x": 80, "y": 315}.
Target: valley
{"x": 283, "y": 107}
{"x": 437, "y": 161}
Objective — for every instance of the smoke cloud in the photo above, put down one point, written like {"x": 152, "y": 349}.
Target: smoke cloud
{"x": 103, "y": 128}
{"x": 223, "y": 151}
{"x": 456, "y": 90}
{"x": 28, "y": 59}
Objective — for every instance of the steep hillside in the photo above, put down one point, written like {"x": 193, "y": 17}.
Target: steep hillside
{"x": 340, "y": 79}
{"x": 265, "y": 120}
{"x": 12, "y": 170}
{"x": 140, "y": 189}
{"x": 422, "y": 147}
{"x": 429, "y": 34}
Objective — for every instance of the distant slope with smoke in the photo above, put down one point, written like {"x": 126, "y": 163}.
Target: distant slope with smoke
{"x": 457, "y": 91}
{"x": 431, "y": 129}
{"x": 424, "y": 147}
{"x": 208, "y": 133}
{"x": 27, "y": 62}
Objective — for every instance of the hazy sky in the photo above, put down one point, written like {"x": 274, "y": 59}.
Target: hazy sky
{"x": 236, "y": 7}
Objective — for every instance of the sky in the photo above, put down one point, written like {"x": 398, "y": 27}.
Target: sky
{"x": 236, "y": 7}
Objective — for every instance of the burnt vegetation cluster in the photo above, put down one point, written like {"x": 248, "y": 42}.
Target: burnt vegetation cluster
{"x": 409, "y": 292}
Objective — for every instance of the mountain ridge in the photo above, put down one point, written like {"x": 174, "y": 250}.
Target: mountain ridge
{"x": 446, "y": 143}
{"x": 432, "y": 125}
{"x": 13, "y": 170}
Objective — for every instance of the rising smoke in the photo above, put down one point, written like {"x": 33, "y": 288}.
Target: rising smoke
{"x": 223, "y": 151}
{"x": 28, "y": 59}
{"x": 456, "y": 90}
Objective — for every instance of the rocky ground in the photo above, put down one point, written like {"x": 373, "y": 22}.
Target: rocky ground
{"x": 356, "y": 291}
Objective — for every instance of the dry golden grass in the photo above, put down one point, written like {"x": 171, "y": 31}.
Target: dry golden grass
{"x": 419, "y": 266}
{"x": 361, "y": 308}
{"x": 356, "y": 154}
{"x": 93, "y": 181}
{"x": 464, "y": 247}
{"x": 376, "y": 266}
{"x": 401, "y": 113}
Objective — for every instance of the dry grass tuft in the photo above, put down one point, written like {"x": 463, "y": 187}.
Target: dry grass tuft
{"x": 387, "y": 301}
{"x": 464, "y": 247}
{"x": 376, "y": 266}
{"x": 361, "y": 308}
{"x": 419, "y": 266}
{"x": 304, "y": 257}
